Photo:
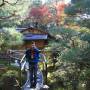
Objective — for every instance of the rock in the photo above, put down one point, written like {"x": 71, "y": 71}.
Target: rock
{"x": 45, "y": 87}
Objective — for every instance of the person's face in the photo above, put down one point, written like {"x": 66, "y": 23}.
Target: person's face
{"x": 33, "y": 45}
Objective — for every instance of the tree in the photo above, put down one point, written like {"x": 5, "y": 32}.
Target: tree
{"x": 80, "y": 11}
{"x": 40, "y": 13}
{"x": 80, "y": 18}
{"x": 11, "y": 15}
{"x": 73, "y": 46}
{"x": 11, "y": 12}
{"x": 47, "y": 13}
{"x": 9, "y": 37}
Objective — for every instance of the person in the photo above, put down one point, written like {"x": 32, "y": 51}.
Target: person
{"x": 32, "y": 57}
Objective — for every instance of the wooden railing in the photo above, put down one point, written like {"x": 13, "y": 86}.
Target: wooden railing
{"x": 4, "y": 56}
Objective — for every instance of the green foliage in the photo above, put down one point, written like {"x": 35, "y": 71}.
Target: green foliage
{"x": 11, "y": 15}
{"x": 3, "y": 62}
{"x": 70, "y": 21}
{"x": 86, "y": 37}
{"x": 73, "y": 46}
{"x": 85, "y": 75}
{"x": 79, "y": 8}
{"x": 9, "y": 37}
{"x": 78, "y": 54}
{"x": 71, "y": 55}
{"x": 84, "y": 5}
{"x": 63, "y": 36}
{"x": 84, "y": 23}
{"x": 8, "y": 79}
{"x": 10, "y": 73}
{"x": 71, "y": 10}
{"x": 64, "y": 32}
{"x": 85, "y": 55}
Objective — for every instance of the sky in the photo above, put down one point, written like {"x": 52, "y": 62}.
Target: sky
{"x": 67, "y": 1}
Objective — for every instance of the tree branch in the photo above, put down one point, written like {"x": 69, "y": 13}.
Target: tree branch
{"x": 12, "y": 3}
{"x": 8, "y": 17}
{"x": 5, "y": 1}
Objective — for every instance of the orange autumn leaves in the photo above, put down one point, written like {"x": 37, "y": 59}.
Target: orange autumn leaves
{"x": 39, "y": 13}
{"x": 43, "y": 13}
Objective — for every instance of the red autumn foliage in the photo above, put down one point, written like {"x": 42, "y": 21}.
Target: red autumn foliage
{"x": 59, "y": 7}
{"x": 44, "y": 14}
{"x": 39, "y": 12}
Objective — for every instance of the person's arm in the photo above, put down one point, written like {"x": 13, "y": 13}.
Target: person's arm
{"x": 43, "y": 58}
{"x": 22, "y": 58}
